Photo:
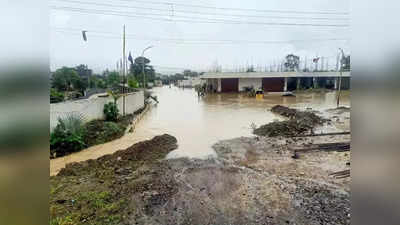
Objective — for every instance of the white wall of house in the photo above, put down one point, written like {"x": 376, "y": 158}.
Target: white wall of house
{"x": 92, "y": 108}
{"x": 190, "y": 82}
{"x": 248, "y": 82}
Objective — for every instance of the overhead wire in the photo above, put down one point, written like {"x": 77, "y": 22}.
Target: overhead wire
{"x": 239, "y": 9}
{"x": 199, "y": 13}
{"x": 187, "y": 41}
{"x": 189, "y": 19}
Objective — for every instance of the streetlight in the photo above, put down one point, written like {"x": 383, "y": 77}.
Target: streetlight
{"x": 144, "y": 79}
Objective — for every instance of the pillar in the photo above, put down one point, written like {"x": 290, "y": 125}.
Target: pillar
{"x": 335, "y": 83}
{"x": 285, "y": 87}
{"x": 298, "y": 83}
{"x": 315, "y": 82}
{"x": 219, "y": 85}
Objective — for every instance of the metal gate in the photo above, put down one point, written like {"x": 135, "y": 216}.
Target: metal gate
{"x": 230, "y": 84}
{"x": 273, "y": 84}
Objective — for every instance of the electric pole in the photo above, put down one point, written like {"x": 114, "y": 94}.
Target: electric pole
{"x": 123, "y": 72}
{"x": 340, "y": 78}
{"x": 143, "y": 71}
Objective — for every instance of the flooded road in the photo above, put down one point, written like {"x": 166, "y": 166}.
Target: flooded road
{"x": 198, "y": 123}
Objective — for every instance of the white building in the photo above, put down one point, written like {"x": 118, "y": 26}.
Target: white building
{"x": 274, "y": 81}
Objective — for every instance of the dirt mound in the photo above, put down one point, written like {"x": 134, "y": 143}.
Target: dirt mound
{"x": 100, "y": 191}
{"x": 299, "y": 123}
{"x": 158, "y": 147}
{"x": 284, "y": 111}
{"x": 285, "y": 128}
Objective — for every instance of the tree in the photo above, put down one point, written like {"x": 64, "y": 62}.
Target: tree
{"x": 250, "y": 69}
{"x": 132, "y": 82}
{"x": 65, "y": 78}
{"x": 113, "y": 79}
{"x": 100, "y": 83}
{"x": 346, "y": 63}
{"x": 136, "y": 69}
{"x": 292, "y": 62}
{"x": 85, "y": 74}
{"x": 189, "y": 73}
{"x": 83, "y": 71}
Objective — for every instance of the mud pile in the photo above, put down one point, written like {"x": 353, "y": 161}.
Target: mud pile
{"x": 284, "y": 111}
{"x": 299, "y": 123}
{"x": 100, "y": 191}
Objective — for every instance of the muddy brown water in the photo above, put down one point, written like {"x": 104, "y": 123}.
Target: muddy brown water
{"x": 198, "y": 123}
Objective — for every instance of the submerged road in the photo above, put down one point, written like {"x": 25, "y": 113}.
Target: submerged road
{"x": 198, "y": 123}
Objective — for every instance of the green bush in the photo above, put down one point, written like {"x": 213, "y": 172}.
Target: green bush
{"x": 56, "y": 96}
{"x": 99, "y": 131}
{"x": 132, "y": 82}
{"x": 67, "y": 137}
{"x": 111, "y": 111}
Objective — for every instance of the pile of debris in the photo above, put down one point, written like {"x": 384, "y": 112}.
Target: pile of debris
{"x": 299, "y": 123}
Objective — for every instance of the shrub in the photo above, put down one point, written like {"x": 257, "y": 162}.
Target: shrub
{"x": 99, "y": 131}
{"x": 67, "y": 137}
{"x": 111, "y": 111}
{"x": 132, "y": 82}
{"x": 56, "y": 96}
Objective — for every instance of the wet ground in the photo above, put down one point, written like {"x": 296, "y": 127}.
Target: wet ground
{"x": 198, "y": 123}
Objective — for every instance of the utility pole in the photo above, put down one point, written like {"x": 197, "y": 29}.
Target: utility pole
{"x": 322, "y": 63}
{"x": 144, "y": 76}
{"x": 340, "y": 78}
{"x": 305, "y": 63}
{"x": 337, "y": 61}
{"x": 327, "y": 65}
{"x": 123, "y": 72}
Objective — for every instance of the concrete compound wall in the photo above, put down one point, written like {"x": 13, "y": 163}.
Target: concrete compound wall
{"x": 190, "y": 82}
{"x": 248, "y": 82}
{"x": 92, "y": 108}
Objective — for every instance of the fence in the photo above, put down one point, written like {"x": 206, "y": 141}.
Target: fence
{"x": 92, "y": 108}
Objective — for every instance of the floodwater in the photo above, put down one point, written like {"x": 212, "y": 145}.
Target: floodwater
{"x": 198, "y": 123}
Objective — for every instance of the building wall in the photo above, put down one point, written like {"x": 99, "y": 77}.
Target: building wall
{"x": 92, "y": 108}
{"x": 190, "y": 82}
{"x": 248, "y": 82}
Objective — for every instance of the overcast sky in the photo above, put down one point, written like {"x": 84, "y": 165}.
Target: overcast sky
{"x": 104, "y": 46}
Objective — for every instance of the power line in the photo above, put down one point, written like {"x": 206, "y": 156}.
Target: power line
{"x": 190, "y": 41}
{"x": 239, "y": 9}
{"x": 199, "y": 13}
{"x": 221, "y": 21}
